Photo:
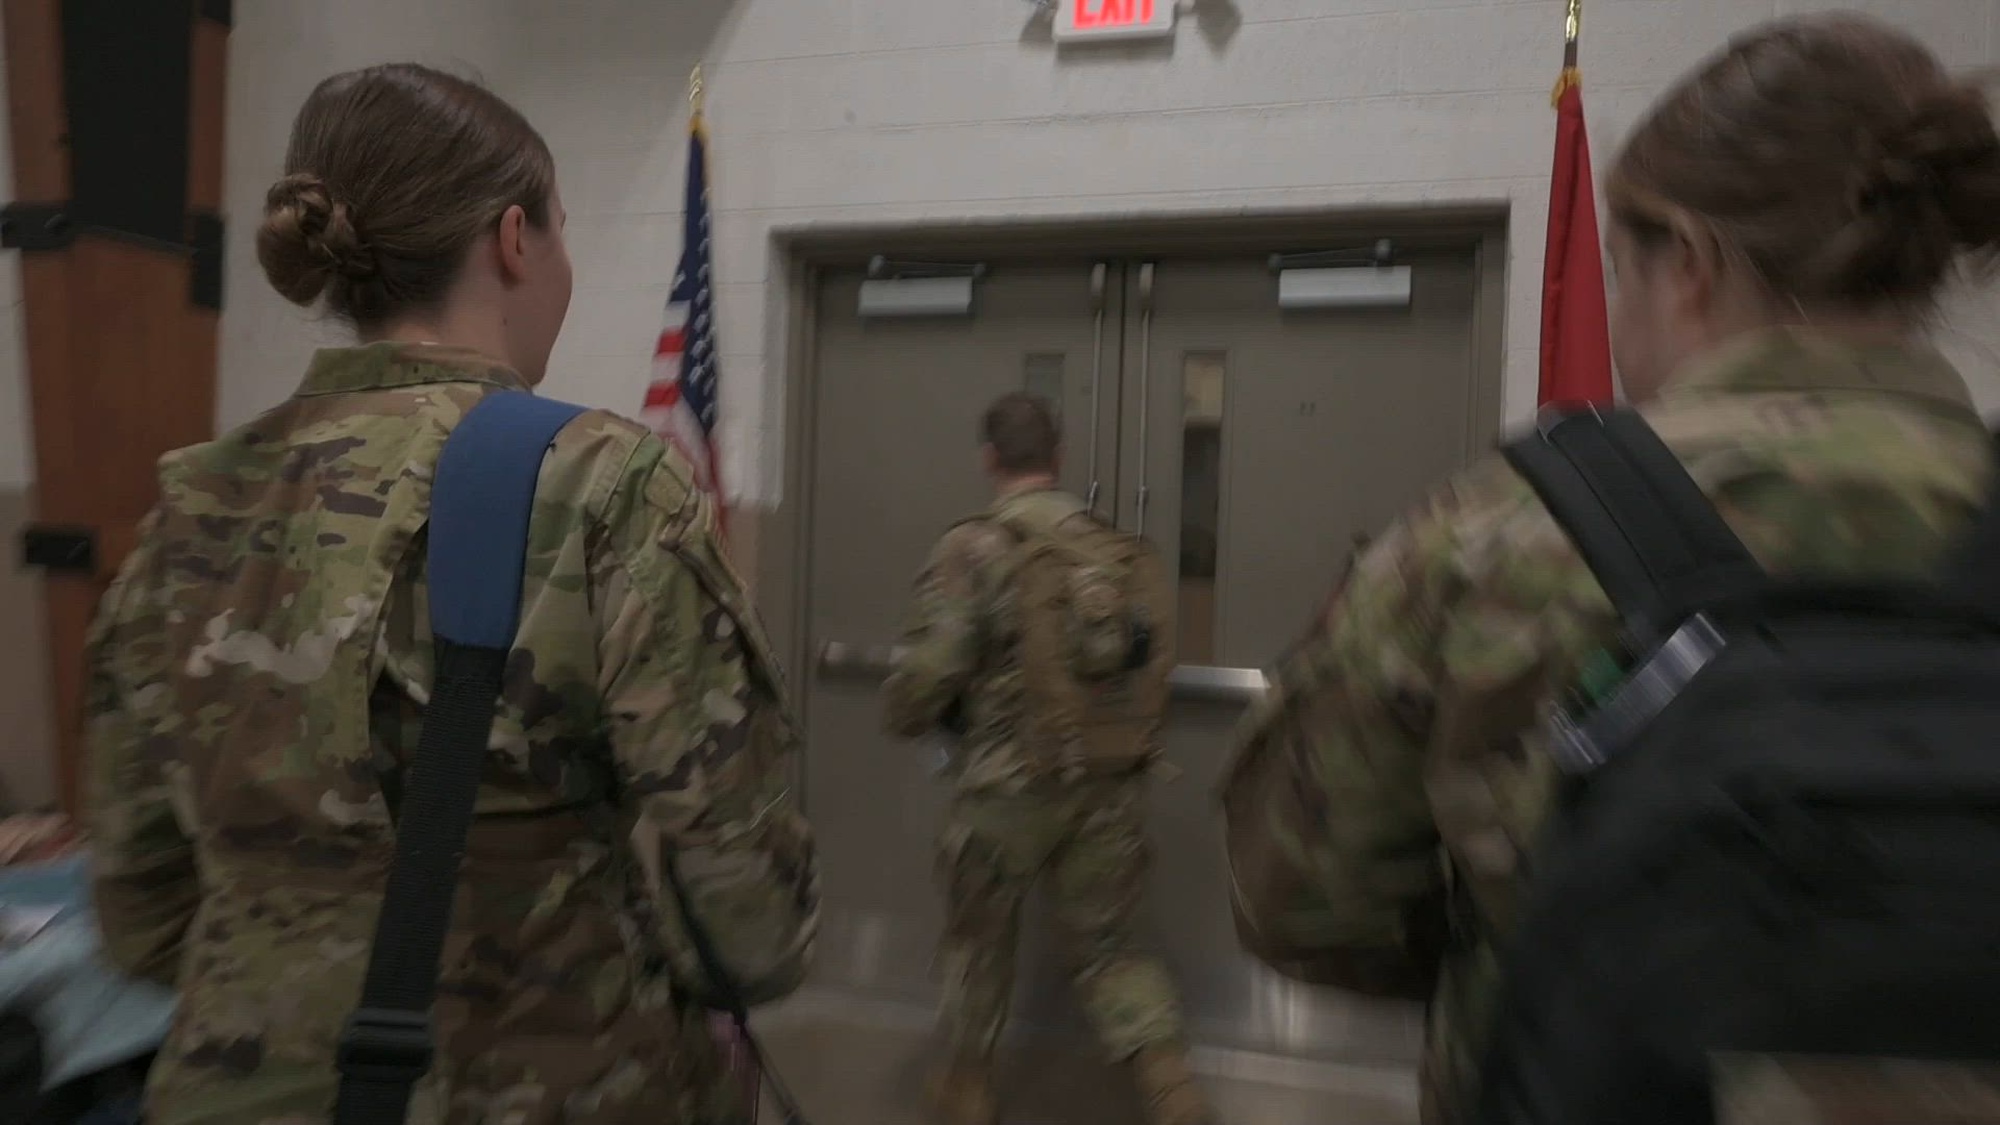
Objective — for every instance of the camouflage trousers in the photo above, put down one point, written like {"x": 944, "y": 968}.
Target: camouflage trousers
{"x": 1089, "y": 841}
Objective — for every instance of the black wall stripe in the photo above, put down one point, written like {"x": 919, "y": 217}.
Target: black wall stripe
{"x": 126, "y": 71}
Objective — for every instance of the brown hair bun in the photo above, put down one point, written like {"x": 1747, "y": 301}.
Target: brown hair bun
{"x": 1832, "y": 154}
{"x": 1919, "y": 195}
{"x": 392, "y": 174}
{"x": 308, "y": 239}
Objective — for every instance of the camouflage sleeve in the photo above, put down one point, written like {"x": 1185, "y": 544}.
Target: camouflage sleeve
{"x": 1332, "y": 845}
{"x": 146, "y": 885}
{"x": 942, "y": 640}
{"x": 704, "y": 737}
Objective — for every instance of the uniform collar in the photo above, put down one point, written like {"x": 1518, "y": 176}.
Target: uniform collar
{"x": 1801, "y": 359}
{"x": 1051, "y": 501}
{"x": 392, "y": 364}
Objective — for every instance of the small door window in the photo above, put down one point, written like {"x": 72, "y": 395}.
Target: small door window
{"x": 1042, "y": 376}
{"x": 1202, "y": 377}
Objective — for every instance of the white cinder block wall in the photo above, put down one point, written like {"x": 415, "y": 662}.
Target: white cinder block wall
{"x": 845, "y": 112}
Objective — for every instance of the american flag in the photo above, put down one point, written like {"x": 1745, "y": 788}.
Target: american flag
{"x": 680, "y": 400}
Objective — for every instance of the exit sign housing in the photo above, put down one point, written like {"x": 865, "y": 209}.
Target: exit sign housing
{"x": 1080, "y": 21}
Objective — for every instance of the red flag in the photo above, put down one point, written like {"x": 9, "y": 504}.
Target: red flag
{"x": 1576, "y": 331}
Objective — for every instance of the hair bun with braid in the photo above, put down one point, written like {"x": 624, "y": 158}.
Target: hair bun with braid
{"x": 393, "y": 172}
{"x": 1923, "y": 191}
{"x": 1834, "y": 154}
{"x": 309, "y": 239}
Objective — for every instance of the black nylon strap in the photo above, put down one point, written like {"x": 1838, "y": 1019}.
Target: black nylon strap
{"x": 387, "y": 1046}
{"x": 482, "y": 500}
{"x": 733, "y": 1004}
{"x": 1655, "y": 542}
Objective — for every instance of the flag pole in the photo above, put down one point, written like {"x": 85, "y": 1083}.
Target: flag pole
{"x": 1576, "y": 345}
{"x": 1572, "y": 31}
{"x": 688, "y": 340}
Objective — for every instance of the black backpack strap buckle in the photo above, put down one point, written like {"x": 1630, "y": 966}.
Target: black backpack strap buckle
{"x": 1580, "y": 744}
{"x": 386, "y": 1045}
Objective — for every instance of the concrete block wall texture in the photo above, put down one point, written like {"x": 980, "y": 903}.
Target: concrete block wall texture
{"x": 884, "y": 111}
{"x": 832, "y": 112}
{"x": 837, "y": 112}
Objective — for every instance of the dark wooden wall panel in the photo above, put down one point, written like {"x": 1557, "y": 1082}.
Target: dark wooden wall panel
{"x": 121, "y": 360}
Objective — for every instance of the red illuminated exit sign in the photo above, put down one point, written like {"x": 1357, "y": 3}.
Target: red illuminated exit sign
{"x": 1079, "y": 20}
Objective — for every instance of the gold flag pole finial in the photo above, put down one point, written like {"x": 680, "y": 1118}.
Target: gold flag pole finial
{"x": 695, "y": 94}
{"x": 1572, "y": 27}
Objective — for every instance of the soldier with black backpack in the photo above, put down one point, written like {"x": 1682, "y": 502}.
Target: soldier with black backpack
{"x": 1042, "y": 639}
{"x": 1662, "y": 755}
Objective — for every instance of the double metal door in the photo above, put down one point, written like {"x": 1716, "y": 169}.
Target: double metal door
{"x": 1252, "y": 445}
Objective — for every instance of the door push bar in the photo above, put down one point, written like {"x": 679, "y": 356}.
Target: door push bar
{"x": 1191, "y": 682}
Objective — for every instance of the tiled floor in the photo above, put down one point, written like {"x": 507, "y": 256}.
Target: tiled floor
{"x": 863, "y": 1063}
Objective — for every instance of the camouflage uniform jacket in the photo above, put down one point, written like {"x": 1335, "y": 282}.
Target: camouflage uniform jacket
{"x": 262, "y": 662}
{"x": 1404, "y": 730}
{"x": 962, "y": 651}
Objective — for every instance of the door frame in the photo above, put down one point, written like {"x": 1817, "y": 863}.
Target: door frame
{"x": 779, "y": 542}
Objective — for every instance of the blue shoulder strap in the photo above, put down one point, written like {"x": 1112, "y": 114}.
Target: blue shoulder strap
{"x": 482, "y": 496}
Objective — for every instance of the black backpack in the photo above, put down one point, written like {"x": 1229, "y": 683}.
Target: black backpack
{"x": 20, "y": 1060}
{"x": 110, "y": 1096}
{"x": 1780, "y": 835}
